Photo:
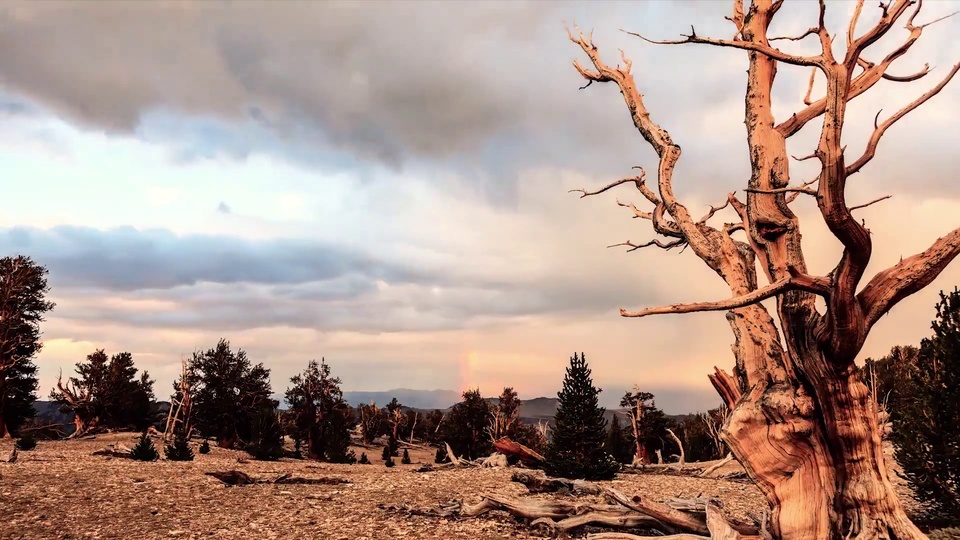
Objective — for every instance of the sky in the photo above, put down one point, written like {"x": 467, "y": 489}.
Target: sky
{"x": 385, "y": 185}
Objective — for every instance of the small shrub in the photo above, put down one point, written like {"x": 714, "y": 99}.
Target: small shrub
{"x": 441, "y": 456}
{"x": 144, "y": 450}
{"x": 205, "y": 447}
{"x": 26, "y": 443}
{"x": 390, "y": 462}
{"x": 386, "y": 454}
{"x": 363, "y": 459}
{"x": 406, "y": 457}
{"x": 179, "y": 450}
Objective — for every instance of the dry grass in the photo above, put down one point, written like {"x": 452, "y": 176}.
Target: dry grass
{"x": 62, "y": 491}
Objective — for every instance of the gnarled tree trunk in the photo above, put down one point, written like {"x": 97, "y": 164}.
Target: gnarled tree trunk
{"x": 801, "y": 421}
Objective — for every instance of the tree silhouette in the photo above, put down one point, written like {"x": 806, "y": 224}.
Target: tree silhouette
{"x": 23, "y": 305}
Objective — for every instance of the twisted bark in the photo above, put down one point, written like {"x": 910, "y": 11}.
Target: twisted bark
{"x": 801, "y": 422}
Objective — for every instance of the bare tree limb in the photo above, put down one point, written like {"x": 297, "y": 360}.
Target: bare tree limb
{"x": 765, "y": 50}
{"x": 903, "y": 279}
{"x": 874, "y": 141}
{"x": 875, "y": 201}
{"x": 665, "y": 246}
{"x": 817, "y": 285}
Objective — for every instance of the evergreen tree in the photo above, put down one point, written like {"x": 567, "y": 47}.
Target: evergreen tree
{"x": 107, "y": 394}
{"x": 620, "y": 442}
{"x": 179, "y": 450}
{"x": 464, "y": 427}
{"x": 440, "y": 456}
{"x": 363, "y": 459}
{"x": 228, "y": 393}
{"x": 386, "y": 454}
{"x": 23, "y": 288}
{"x": 320, "y": 416}
{"x": 577, "y": 450}
{"x": 406, "y": 457}
{"x": 266, "y": 441}
{"x": 926, "y": 428}
{"x": 144, "y": 449}
{"x": 205, "y": 447}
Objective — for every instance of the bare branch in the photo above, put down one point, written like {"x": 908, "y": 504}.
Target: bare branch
{"x": 806, "y": 98}
{"x": 910, "y": 275}
{"x": 713, "y": 210}
{"x": 890, "y": 16}
{"x": 637, "y": 180}
{"x": 875, "y": 201}
{"x": 851, "y": 30}
{"x": 737, "y": 18}
{"x": 812, "y": 31}
{"x": 797, "y": 282}
{"x": 872, "y": 74}
{"x": 766, "y": 50}
{"x": 871, "y": 150}
{"x": 659, "y": 139}
{"x": 666, "y": 246}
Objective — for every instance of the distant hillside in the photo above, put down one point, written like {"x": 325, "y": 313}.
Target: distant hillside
{"x": 417, "y": 399}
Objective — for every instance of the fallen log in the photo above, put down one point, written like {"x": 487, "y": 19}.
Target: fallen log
{"x": 717, "y": 465}
{"x": 113, "y": 453}
{"x": 517, "y": 451}
{"x": 539, "y": 484}
{"x": 718, "y": 529}
{"x": 240, "y": 478}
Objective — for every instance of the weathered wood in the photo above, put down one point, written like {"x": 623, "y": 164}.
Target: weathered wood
{"x": 513, "y": 449}
{"x": 240, "y": 478}
{"x": 539, "y": 484}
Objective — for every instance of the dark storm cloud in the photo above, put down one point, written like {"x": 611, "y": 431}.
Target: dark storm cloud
{"x": 228, "y": 283}
{"x": 487, "y": 88}
{"x": 128, "y": 259}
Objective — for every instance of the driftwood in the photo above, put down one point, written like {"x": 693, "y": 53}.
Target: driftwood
{"x": 718, "y": 529}
{"x": 240, "y": 478}
{"x": 717, "y": 465}
{"x": 517, "y": 451}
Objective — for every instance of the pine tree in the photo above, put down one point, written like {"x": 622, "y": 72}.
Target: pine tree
{"x": 363, "y": 459}
{"x": 577, "y": 448}
{"x": 179, "y": 450}
{"x": 144, "y": 449}
{"x": 205, "y": 447}
{"x": 926, "y": 427}
{"x": 440, "y": 456}
{"x": 406, "y": 457}
{"x": 320, "y": 415}
{"x": 23, "y": 286}
{"x": 228, "y": 393}
{"x": 465, "y": 427}
{"x": 386, "y": 454}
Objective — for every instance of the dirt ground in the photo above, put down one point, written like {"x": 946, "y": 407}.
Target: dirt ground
{"x": 60, "y": 490}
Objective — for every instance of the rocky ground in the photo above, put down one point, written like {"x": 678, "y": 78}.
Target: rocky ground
{"x": 60, "y": 490}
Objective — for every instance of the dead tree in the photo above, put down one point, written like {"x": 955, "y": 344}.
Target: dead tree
{"x": 180, "y": 408}
{"x": 802, "y": 423}
{"x": 77, "y": 398}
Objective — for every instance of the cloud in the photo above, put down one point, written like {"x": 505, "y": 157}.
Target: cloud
{"x": 487, "y": 89}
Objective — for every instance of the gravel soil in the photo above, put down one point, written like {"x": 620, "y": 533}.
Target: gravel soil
{"x": 60, "y": 490}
